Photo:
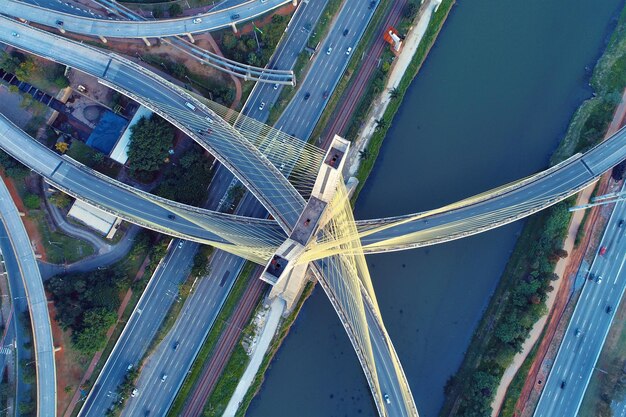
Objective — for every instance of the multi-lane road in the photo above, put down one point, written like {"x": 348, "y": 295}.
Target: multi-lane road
{"x": 92, "y": 26}
{"x": 584, "y": 337}
{"x": 43, "y": 344}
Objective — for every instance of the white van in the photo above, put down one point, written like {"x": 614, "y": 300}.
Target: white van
{"x": 191, "y": 106}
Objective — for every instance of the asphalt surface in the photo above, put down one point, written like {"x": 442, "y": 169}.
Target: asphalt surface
{"x": 135, "y": 206}
{"x": 329, "y": 63}
{"x": 38, "y": 306}
{"x": 262, "y": 178}
{"x": 16, "y": 334}
{"x": 114, "y": 28}
{"x": 574, "y": 365}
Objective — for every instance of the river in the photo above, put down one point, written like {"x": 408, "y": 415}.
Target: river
{"x": 489, "y": 106}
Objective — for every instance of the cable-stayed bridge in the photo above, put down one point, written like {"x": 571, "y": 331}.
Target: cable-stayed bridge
{"x": 313, "y": 224}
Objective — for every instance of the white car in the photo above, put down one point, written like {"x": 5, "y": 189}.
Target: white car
{"x": 262, "y": 106}
{"x": 386, "y": 397}
{"x": 329, "y": 50}
{"x": 197, "y": 20}
{"x": 134, "y": 393}
{"x": 348, "y": 50}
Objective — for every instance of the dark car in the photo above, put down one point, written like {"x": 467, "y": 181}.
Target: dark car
{"x": 176, "y": 345}
{"x": 59, "y": 22}
{"x": 609, "y": 309}
{"x": 171, "y": 216}
{"x": 372, "y": 4}
{"x": 325, "y": 95}
{"x": 621, "y": 223}
{"x": 235, "y": 16}
{"x": 307, "y": 95}
{"x": 345, "y": 32}
{"x": 562, "y": 384}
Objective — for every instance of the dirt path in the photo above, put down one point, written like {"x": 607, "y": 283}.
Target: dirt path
{"x": 558, "y": 300}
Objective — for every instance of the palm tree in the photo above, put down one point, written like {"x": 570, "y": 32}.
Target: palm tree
{"x": 381, "y": 124}
{"x": 394, "y": 93}
{"x": 364, "y": 154}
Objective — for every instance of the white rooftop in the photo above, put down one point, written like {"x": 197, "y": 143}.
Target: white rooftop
{"x": 93, "y": 217}
{"x": 120, "y": 150}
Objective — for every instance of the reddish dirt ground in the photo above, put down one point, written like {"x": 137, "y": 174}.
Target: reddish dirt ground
{"x": 547, "y": 348}
{"x": 31, "y": 227}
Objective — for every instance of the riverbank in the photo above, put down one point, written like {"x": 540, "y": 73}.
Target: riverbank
{"x": 490, "y": 354}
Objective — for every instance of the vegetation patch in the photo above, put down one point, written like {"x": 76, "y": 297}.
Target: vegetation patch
{"x": 149, "y": 145}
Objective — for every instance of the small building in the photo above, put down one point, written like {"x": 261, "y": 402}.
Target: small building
{"x": 109, "y": 128}
{"x": 120, "y": 150}
{"x": 95, "y": 218}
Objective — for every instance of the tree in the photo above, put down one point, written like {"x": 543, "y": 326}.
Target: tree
{"x": 364, "y": 154}
{"x": 25, "y": 69}
{"x": 157, "y": 12}
{"x": 150, "y": 141}
{"x": 62, "y": 147}
{"x": 229, "y": 41}
{"x": 92, "y": 337}
{"x": 32, "y": 201}
{"x": 175, "y": 10}
{"x": 60, "y": 200}
{"x": 381, "y": 124}
{"x": 410, "y": 10}
{"x": 8, "y": 62}
{"x": 394, "y": 93}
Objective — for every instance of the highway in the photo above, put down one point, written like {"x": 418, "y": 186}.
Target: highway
{"x": 174, "y": 104}
{"x": 43, "y": 344}
{"x": 302, "y": 113}
{"x": 113, "y": 28}
{"x": 133, "y": 205}
{"x": 584, "y": 337}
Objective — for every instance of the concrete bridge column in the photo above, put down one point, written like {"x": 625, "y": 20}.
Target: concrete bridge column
{"x": 61, "y": 30}
{"x": 234, "y": 26}
{"x": 191, "y": 39}
{"x": 146, "y": 41}
{"x": 294, "y": 2}
{"x": 103, "y": 39}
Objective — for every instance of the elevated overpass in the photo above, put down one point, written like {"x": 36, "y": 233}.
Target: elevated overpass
{"x": 264, "y": 180}
{"x": 114, "y": 28}
{"x": 43, "y": 345}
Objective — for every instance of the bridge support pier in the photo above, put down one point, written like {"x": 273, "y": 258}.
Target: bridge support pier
{"x": 294, "y": 2}
{"x": 103, "y": 39}
{"x": 146, "y": 41}
{"x": 191, "y": 39}
{"x": 61, "y": 30}
{"x": 234, "y": 26}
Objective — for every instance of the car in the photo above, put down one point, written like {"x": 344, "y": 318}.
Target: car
{"x": 134, "y": 393}
{"x": 262, "y": 105}
{"x": 372, "y": 5}
{"x": 275, "y": 86}
{"x": 325, "y": 95}
{"x": 386, "y": 397}
{"x": 176, "y": 345}
{"x": 307, "y": 95}
{"x": 599, "y": 279}
{"x": 620, "y": 224}
{"x": 197, "y": 20}
{"x": 348, "y": 50}
{"x": 163, "y": 377}
{"x": 603, "y": 250}
{"x": 282, "y": 166}
{"x": 180, "y": 244}
{"x": 235, "y": 16}
{"x": 591, "y": 277}
{"x": 129, "y": 367}
{"x": 577, "y": 333}
{"x": 17, "y": 35}
{"x": 329, "y": 50}
{"x": 562, "y": 384}
{"x": 345, "y": 32}
{"x": 59, "y": 22}
{"x": 263, "y": 1}
{"x": 608, "y": 309}
{"x": 171, "y": 216}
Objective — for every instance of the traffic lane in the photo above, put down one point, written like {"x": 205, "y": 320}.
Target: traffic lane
{"x": 143, "y": 323}
{"x": 326, "y": 70}
{"x": 64, "y": 7}
{"x": 285, "y": 56}
{"x": 591, "y": 319}
{"x": 90, "y": 26}
{"x": 189, "y": 332}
